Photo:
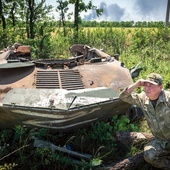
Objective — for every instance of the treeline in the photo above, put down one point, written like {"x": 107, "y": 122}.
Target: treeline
{"x": 122, "y": 24}
{"x": 125, "y": 24}
{"x": 29, "y": 22}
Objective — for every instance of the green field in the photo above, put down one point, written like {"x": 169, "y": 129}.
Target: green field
{"x": 148, "y": 46}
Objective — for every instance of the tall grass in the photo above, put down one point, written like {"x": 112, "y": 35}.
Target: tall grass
{"x": 149, "y": 47}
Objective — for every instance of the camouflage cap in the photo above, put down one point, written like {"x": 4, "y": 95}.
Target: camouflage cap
{"x": 154, "y": 78}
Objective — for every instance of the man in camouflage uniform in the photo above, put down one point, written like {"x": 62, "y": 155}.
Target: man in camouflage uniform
{"x": 155, "y": 104}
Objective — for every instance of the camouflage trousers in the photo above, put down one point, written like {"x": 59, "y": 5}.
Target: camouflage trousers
{"x": 157, "y": 153}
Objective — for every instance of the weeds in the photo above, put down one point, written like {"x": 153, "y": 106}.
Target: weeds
{"x": 98, "y": 140}
{"x": 149, "y": 46}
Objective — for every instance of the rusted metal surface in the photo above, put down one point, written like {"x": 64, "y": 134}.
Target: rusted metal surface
{"x": 87, "y": 53}
{"x": 62, "y": 94}
{"x": 15, "y": 53}
{"x": 59, "y": 79}
{"x": 105, "y": 74}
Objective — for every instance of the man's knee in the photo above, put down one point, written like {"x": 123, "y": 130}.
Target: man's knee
{"x": 156, "y": 155}
{"x": 149, "y": 154}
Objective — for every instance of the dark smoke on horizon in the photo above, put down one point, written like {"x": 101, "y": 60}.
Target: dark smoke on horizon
{"x": 147, "y": 10}
{"x": 111, "y": 12}
{"x": 151, "y": 7}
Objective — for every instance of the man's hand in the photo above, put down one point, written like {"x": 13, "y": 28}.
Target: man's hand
{"x": 138, "y": 83}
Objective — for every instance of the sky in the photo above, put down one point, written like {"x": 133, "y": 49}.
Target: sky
{"x": 124, "y": 10}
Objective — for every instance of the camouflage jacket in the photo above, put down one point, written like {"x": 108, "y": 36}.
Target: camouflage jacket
{"x": 158, "y": 118}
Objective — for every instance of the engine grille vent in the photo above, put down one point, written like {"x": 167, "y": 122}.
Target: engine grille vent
{"x": 59, "y": 79}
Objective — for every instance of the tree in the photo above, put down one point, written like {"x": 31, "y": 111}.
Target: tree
{"x": 80, "y": 6}
{"x": 33, "y": 13}
{"x": 8, "y": 11}
{"x": 2, "y": 15}
{"x": 167, "y": 13}
{"x": 63, "y": 8}
{"x": 12, "y": 13}
{"x": 27, "y": 11}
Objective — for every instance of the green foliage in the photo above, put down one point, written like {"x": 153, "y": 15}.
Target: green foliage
{"x": 148, "y": 46}
{"x": 9, "y": 166}
{"x": 97, "y": 140}
{"x": 144, "y": 42}
{"x": 122, "y": 123}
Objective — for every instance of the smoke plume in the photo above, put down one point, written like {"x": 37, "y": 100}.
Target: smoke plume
{"x": 141, "y": 10}
{"x": 111, "y": 12}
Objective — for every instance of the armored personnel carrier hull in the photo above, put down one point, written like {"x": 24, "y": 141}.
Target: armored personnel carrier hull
{"x": 62, "y": 94}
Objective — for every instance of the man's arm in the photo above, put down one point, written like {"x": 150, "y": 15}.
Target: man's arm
{"x": 127, "y": 96}
{"x": 132, "y": 87}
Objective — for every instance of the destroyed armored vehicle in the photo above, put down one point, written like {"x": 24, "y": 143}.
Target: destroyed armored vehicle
{"x": 61, "y": 94}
